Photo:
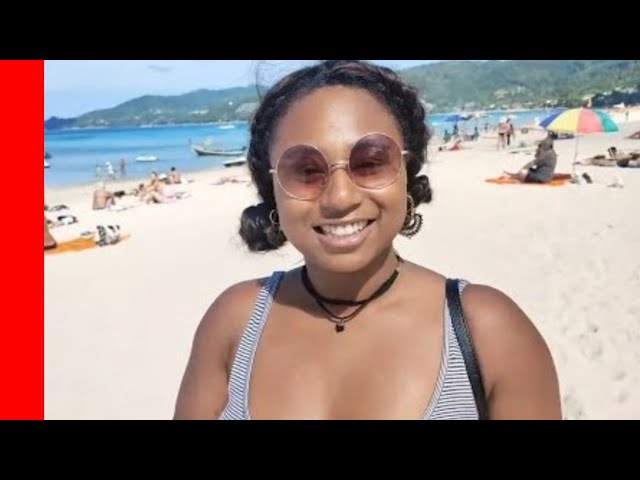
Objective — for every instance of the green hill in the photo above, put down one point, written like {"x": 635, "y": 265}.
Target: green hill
{"x": 519, "y": 83}
{"x": 200, "y": 106}
{"x": 446, "y": 86}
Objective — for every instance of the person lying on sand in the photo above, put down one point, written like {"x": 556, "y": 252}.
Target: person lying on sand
{"x": 617, "y": 158}
{"x": 623, "y": 159}
{"x": 457, "y": 145}
{"x": 144, "y": 192}
{"x": 157, "y": 195}
{"x": 162, "y": 192}
{"x": 137, "y": 191}
{"x": 598, "y": 161}
{"x": 542, "y": 168}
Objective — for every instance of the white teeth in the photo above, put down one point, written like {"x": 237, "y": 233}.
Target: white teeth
{"x": 343, "y": 230}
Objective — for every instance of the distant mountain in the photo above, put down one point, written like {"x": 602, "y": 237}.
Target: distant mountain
{"x": 55, "y": 123}
{"x": 479, "y": 85}
{"x": 444, "y": 86}
{"x": 200, "y": 106}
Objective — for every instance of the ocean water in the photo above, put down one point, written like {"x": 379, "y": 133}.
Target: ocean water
{"x": 76, "y": 154}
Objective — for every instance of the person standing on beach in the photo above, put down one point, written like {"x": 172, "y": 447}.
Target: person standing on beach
{"x": 510, "y": 132}
{"x": 110, "y": 173}
{"x": 503, "y": 129}
{"x": 357, "y": 332}
{"x": 98, "y": 172}
{"x": 123, "y": 167}
{"x": 476, "y": 134}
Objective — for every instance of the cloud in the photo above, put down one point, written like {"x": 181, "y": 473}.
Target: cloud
{"x": 159, "y": 68}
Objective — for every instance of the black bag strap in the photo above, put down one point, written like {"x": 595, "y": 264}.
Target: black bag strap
{"x": 464, "y": 340}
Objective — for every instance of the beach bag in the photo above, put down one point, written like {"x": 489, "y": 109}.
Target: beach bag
{"x": 108, "y": 235}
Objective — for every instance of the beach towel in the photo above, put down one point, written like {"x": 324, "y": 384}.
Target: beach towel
{"x": 77, "y": 245}
{"x": 559, "y": 179}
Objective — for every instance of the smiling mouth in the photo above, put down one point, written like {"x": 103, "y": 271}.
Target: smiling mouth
{"x": 343, "y": 231}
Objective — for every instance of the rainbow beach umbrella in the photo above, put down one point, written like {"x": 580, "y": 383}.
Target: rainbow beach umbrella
{"x": 579, "y": 121}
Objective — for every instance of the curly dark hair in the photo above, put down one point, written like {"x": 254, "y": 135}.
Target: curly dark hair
{"x": 256, "y": 228}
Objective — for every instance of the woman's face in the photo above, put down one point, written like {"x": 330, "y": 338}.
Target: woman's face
{"x": 346, "y": 227}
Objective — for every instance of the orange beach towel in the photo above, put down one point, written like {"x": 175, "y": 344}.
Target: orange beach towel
{"x": 76, "y": 245}
{"x": 559, "y": 179}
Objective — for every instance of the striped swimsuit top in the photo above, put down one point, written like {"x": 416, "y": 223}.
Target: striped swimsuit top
{"x": 453, "y": 398}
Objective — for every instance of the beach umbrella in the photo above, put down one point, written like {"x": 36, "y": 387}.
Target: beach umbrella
{"x": 579, "y": 121}
{"x": 456, "y": 118}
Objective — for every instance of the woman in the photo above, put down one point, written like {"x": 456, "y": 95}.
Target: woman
{"x": 358, "y": 332}
{"x": 542, "y": 168}
{"x": 503, "y": 130}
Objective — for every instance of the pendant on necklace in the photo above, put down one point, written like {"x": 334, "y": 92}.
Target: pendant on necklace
{"x": 339, "y": 327}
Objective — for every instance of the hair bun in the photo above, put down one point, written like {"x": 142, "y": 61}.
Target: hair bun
{"x": 257, "y": 231}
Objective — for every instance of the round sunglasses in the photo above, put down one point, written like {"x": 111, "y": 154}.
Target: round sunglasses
{"x": 375, "y": 161}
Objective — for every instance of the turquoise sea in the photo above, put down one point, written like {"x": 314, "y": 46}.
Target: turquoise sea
{"x": 76, "y": 154}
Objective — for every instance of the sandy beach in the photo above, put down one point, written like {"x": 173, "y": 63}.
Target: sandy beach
{"x": 119, "y": 320}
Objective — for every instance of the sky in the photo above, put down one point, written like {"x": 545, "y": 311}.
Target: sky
{"x": 74, "y": 87}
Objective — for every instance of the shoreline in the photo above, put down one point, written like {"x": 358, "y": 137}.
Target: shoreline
{"x": 136, "y": 179}
{"x": 59, "y": 193}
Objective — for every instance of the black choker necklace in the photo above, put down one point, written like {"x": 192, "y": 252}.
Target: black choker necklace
{"x": 338, "y": 320}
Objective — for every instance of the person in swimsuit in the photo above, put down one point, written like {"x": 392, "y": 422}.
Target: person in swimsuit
{"x": 358, "y": 332}
{"x": 503, "y": 129}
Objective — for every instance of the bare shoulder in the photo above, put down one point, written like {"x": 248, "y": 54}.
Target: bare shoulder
{"x": 230, "y": 311}
{"x": 203, "y": 391}
{"x": 518, "y": 371}
{"x": 489, "y": 309}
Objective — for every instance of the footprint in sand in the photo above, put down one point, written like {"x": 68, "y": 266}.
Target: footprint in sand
{"x": 622, "y": 396}
{"x": 590, "y": 346}
{"x": 572, "y": 407}
{"x": 619, "y": 375}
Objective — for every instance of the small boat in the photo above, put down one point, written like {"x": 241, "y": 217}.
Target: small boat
{"x": 201, "y": 150}
{"x": 236, "y": 162}
{"x": 46, "y": 164}
{"x": 226, "y": 127}
{"x": 146, "y": 158}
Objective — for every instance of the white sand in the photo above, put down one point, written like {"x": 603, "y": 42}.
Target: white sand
{"x": 119, "y": 320}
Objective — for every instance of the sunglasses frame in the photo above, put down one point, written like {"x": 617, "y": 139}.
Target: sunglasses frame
{"x": 336, "y": 166}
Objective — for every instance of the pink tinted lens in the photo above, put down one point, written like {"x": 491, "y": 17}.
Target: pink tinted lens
{"x": 375, "y": 161}
{"x": 302, "y": 172}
